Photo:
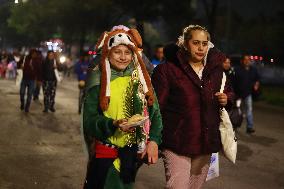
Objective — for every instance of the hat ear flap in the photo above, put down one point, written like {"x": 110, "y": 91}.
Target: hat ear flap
{"x": 136, "y": 37}
{"x": 101, "y": 41}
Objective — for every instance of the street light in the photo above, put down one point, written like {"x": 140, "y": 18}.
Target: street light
{"x": 16, "y": 1}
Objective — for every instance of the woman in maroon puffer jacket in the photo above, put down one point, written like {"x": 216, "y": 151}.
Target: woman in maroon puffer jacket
{"x": 188, "y": 86}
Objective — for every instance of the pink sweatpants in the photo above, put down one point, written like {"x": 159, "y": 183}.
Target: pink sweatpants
{"x": 184, "y": 172}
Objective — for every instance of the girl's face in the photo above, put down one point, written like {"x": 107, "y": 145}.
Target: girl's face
{"x": 120, "y": 57}
{"x": 198, "y": 45}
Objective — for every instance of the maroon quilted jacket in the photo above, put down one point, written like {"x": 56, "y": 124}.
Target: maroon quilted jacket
{"x": 190, "y": 111}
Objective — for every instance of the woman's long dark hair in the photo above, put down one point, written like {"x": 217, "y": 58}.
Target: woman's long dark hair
{"x": 48, "y": 52}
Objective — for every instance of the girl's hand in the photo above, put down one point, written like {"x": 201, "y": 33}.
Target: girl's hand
{"x": 152, "y": 152}
{"x": 122, "y": 125}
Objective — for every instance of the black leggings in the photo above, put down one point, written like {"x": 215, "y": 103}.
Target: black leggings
{"x": 49, "y": 92}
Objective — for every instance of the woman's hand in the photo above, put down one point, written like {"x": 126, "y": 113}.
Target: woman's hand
{"x": 222, "y": 98}
{"x": 152, "y": 152}
{"x": 256, "y": 86}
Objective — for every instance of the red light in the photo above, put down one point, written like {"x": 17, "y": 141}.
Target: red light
{"x": 94, "y": 53}
{"x": 251, "y": 57}
{"x": 260, "y": 58}
{"x": 90, "y": 52}
{"x": 255, "y": 57}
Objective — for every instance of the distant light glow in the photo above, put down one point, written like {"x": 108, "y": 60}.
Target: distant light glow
{"x": 62, "y": 59}
{"x": 260, "y": 58}
{"x": 255, "y": 57}
{"x": 251, "y": 57}
{"x": 271, "y": 60}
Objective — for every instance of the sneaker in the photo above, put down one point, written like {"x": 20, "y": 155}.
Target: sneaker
{"x": 27, "y": 110}
{"x": 22, "y": 107}
{"x": 250, "y": 130}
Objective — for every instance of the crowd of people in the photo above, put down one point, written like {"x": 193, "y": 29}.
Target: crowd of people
{"x": 34, "y": 71}
{"x": 176, "y": 94}
{"x": 8, "y": 64}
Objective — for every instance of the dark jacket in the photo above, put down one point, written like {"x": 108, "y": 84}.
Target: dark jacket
{"x": 244, "y": 81}
{"x": 31, "y": 69}
{"x": 96, "y": 125}
{"x": 48, "y": 73}
{"x": 189, "y": 108}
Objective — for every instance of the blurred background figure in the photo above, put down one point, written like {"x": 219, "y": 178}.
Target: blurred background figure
{"x": 235, "y": 112}
{"x": 31, "y": 72}
{"x": 11, "y": 67}
{"x": 49, "y": 82}
{"x": 3, "y": 64}
{"x": 245, "y": 82}
{"x": 69, "y": 66}
{"x": 229, "y": 69}
{"x": 39, "y": 80}
{"x": 81, "y": 69}
{"x": 158, "y": 55}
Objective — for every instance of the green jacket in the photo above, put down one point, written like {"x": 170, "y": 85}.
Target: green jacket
{"x": 97, "y": 126}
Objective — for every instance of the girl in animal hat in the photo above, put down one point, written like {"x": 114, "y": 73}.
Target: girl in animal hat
{"x": 119, "y": 99}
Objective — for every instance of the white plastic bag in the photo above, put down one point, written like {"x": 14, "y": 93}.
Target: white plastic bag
{"x": 228, "y": 137}
{"x": 213, "y": 171}
{"x": 57, "y": 75}
{"x": 19, "y": 77}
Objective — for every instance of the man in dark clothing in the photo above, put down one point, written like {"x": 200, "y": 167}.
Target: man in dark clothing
{"x": 159, "y": 55}
{"x": 38, "y": 81}
{"x": 31, "y": 71}
{"x": 246, "y": 81}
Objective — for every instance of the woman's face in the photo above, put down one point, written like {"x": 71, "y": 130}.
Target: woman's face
{"x": 120, "y": 57}
{"x": 198, "y": 45}
{"x": 51, "y": 56}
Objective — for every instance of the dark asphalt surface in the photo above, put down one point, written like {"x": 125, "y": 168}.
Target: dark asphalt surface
{"x": 45, "y": 151}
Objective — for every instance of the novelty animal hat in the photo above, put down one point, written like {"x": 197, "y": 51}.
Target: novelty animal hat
{"x": 121, "y": 35}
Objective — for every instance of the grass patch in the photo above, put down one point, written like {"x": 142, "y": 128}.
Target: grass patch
{"x": 273, "y": 95}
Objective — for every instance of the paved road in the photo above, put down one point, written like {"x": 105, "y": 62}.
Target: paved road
{"x": 45, "y": 151}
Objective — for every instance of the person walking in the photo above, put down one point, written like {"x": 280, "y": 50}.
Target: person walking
{"x": 118, "y": 92}
{"x": 39, "y": 80}
{"x": 187, "y": 86}
{"x": 246, "y": 82}
{"x": 49, "y": 82}
{"x": 31, "y": 72}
